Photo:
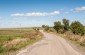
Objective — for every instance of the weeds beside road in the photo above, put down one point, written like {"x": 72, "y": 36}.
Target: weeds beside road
{"x": 12, "y": 40}
{"x": 78, "y": 40}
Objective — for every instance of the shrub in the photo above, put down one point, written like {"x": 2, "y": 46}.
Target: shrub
{"x": 61, "y": 31}
{"x": 57, "y": 26}
{"x": 2, "y": 49}
{"x": 12, "y": 49}
{"x": 43, "y": 26}
{"x": 66, "y": 24}
{"x": 77, "y": 28}
{"x": 46, "y": 28}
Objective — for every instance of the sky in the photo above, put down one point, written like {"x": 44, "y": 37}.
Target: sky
{"x": 35, "y": 13}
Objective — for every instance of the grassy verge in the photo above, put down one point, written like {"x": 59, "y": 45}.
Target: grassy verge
{"x": 75, "y": 39}
{"x": 12, "y": 40}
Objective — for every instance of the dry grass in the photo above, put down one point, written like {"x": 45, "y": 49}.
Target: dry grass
{"x": 78, "y": 40}
{"x": 14, "y": 39}
{"x": 74, "y": 37}
{"x": 14, "y": 42}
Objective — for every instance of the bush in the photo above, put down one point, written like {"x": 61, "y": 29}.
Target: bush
{"x": 66, "y": 24}
{"x": 46, "y": 28}
{"x": 13, "y": 48}
{"x": 57, "y": 26}
{"x": 77, "y": 28}
{"x": 43, "y": 26}
{"x": 61, "y": 31}
{"x": 2, "y": 49}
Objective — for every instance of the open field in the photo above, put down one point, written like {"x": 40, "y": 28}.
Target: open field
{"x": 13, "y": 39}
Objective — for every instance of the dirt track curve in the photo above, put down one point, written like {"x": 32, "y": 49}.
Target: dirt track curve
{"x": 49, "y": 45}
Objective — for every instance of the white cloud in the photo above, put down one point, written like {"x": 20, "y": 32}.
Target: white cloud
{"x": 80, "y": 9}
{"x": 37, "y": 14}
{"x": 17, "y": 14}
{"x": 56, "y": 12}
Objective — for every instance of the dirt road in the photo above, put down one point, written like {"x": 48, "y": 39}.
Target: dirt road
{"x": 50, "y": 45}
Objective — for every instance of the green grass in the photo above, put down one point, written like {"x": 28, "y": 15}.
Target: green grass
{"x": 7, "y": 35}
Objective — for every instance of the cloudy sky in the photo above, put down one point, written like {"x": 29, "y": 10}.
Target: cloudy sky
{"x": 31, "y": 13}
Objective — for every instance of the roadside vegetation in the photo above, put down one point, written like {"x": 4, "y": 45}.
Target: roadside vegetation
{"x": 46, "y": 28}
{"x": 12, "y": 40}
{"x": 75, "y": 31}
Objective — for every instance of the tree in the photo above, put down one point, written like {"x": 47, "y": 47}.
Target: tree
{"x": 43, "y": 26}
{"x": 77, "y": 28}
{"x": 57, "y": 26}
{"x": 66, "y": 24}
{"x": 46, "y": 28}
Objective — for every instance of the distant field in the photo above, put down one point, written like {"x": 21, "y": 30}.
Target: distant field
{"x": 13, "y": 39}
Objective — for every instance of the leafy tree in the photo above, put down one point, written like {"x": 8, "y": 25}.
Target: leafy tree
{"x": 77, "y": 28}
{"x": 66, "y": 24}
{"x": 57, "y": 26}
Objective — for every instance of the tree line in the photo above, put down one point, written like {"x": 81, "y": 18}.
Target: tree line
{"x": 61, "y": 27}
